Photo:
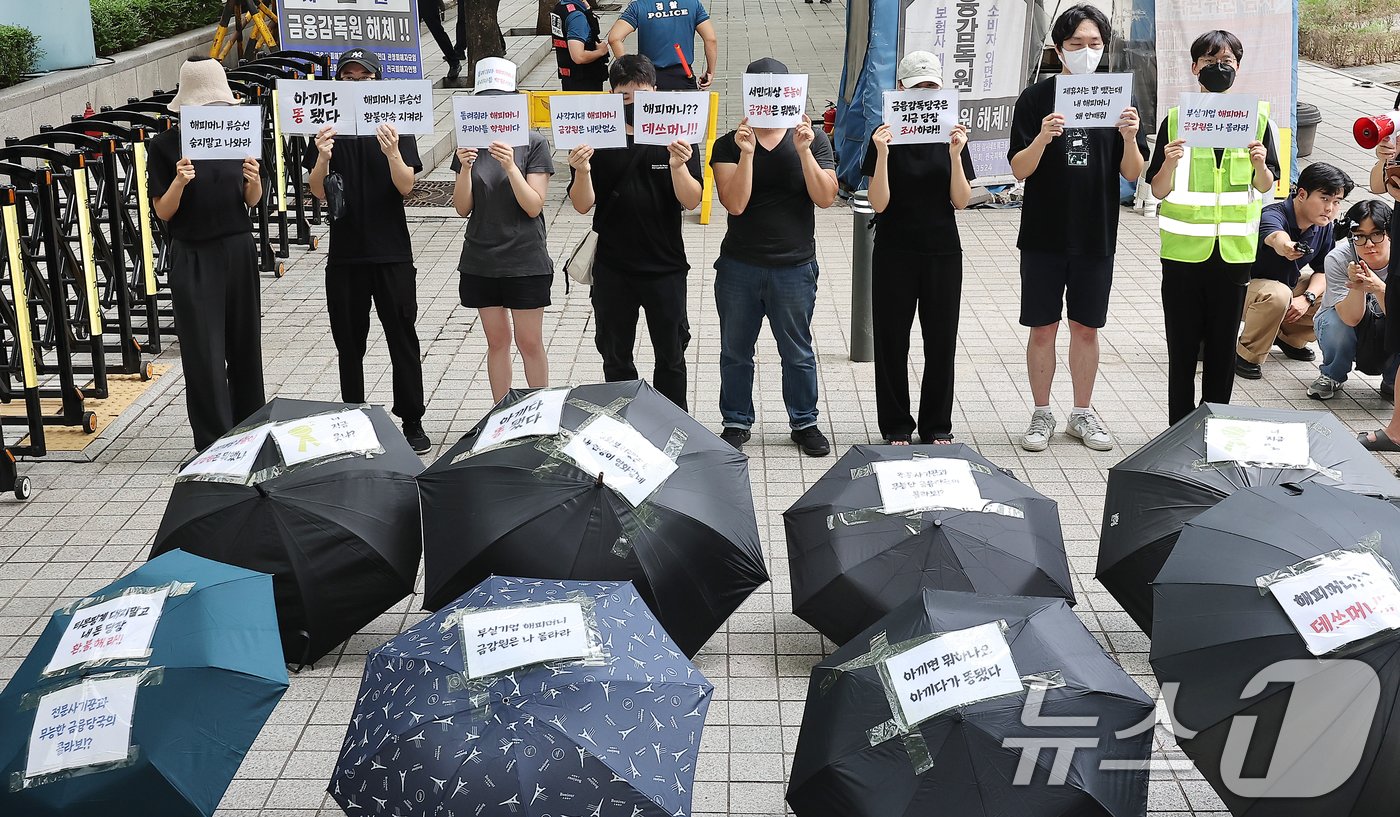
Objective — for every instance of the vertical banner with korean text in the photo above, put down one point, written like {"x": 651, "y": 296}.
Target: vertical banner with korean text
{"x": 389, "y": 28}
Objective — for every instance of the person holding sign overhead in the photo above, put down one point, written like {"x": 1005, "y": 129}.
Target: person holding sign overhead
{"x": 1069, "y": 227}
{"x": 213, "y": 264}
{"x": 917, "y": 263}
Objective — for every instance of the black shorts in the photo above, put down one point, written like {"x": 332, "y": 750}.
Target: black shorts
{"x": 1050, "y": 280}
{"x": 518, "y": 292}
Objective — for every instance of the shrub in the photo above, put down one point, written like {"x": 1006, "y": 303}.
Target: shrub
{"x": 121, "y": 25}
{"x": 19, "y": 50}
{"x": 1343, "y": 33}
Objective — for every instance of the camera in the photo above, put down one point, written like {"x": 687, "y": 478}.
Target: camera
{"x": 1302, "y": 247}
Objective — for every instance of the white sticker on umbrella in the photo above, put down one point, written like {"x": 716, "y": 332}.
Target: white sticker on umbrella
{"x": 629, "y": 463}
{"x": 924, "y": 484}
{"x": 1345, "y": 597}
{"x": 501, "y": 639}
{"x": 325, "y": 435}
{"x": 82, "y": 725}
{"x": 952, "y": 670}
{"x": 229, "y": 456}
{"x": 114, "y": 629}
{"x": 535, "y": 415}
{"x": 1256, "y": 442}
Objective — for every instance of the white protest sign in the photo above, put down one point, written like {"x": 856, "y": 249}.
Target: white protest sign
{"x": 481, "y": 120}
{"x": 494, "y": 74}
{"x": 325, "y": 435}
{"x": 504, "y": 638}
{"x": 922, "y": 484}
{"x": 662, "y": 117}
{"x": 305, "y": 106}
{"x": 117, "y": 628}
{"x": 83, "y": 725}
{"x": 1346, "y": 597}
{"x": 220, "y": 131}
{"x": 229, "y": 456}
{"x": 1256, "y": 442}
{"x": 775, "y": 100}
{"x": 954, "y": 669}
{"x": 921, "y": 115}
{"x": 588, "y": 119}
{"x": 406, "y": 104}
{"x": 1093, "y": 100}
{"x": 1217, "y": 120}
{"x": 537, "y": 414}
{"x": 629, "y": 463}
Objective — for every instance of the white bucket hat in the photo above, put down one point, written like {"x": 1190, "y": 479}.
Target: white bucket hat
{"x": 202, "y": 82}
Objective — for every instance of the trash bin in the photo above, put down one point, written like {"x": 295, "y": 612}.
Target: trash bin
{"x": 1308, "y": 117}
{"x": 862, "y": 249}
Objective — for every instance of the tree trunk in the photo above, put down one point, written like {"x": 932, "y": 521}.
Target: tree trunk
{"x": 483, "y": 33}
{"x": 542, "y": 18}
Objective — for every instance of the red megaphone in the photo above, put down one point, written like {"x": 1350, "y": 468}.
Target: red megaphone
{"x": 1369, "y": 131}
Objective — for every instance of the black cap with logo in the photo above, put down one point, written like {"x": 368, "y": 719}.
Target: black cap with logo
{"x": 362, "y": 56}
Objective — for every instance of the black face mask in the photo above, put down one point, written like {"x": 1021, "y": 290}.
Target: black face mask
{"x": 627, "y": 112}
{"x": 1217, "y": 78}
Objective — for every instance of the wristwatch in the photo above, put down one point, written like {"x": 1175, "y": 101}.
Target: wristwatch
{"x": 1310, "y": 297}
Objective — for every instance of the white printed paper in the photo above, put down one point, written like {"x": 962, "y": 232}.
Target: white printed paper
{"x": 82, "y": 725}
{"x": 662, "y": 117}
{"x": 406, "y": 104}
{"x": 1256, "y": 442}
{"x": 1348, "y": 597}
{"x": 325, "y": 435}
{"x": 921, "y": 115}
{"x": 117, "y": 628}
{"x": 923, "y": 484}
{"x": 481, "y": 120}
{"x": 952, "y": 670}
{"x": 232, "y": 456}
{"x": 503, "y": 638}
{"x": 494, "y": 74}
{"x": 1218, "y": 120}
{"x": 775, "y": 100}
{"x": 588, "y": 119}
{"x": 536, "y": 415}
{"x": 628, "y": 462}
{"x": 1093, "y": 100}
{"x": 220, "y": 132}
{"x": 305, "y": 106}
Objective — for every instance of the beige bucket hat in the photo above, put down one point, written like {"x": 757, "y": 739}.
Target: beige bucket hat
{"x": 202, "y": 82}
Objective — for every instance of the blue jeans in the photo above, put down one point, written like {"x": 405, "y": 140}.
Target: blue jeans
{"x": 744, "y": 296}
{"x": 1338, "y": 344}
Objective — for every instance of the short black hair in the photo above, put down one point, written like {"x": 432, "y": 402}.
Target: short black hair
{"x": 1320, "y": 177}
{"x": 1374, "y": 209}
{"x": 1069, "y": 21}
{"x": 632, "y": 69}
{"x": 1213, "y": 42}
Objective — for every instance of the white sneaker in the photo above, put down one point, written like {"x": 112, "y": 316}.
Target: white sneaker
{"x": 1090, "y": 430}
{"x": 1042, "y": 428}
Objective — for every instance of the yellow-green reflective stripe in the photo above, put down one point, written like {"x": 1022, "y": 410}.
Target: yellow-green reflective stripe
{"x": 25, "y": 339}
{"x": 80, "y": 192}
{"x": 281, "y": 162}
{"x": 143, "y": 205}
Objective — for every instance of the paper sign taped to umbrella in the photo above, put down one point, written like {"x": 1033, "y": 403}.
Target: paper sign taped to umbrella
{"x": 1338, "y": 599}
{"x": 325, "y": 435}
{"x": 305, "y": 106}
{"x": 1093, "y": 100}
{"x": 503, "y": 638}
{"x": 481, "y": 120}
{"x": 923, "y": 484}
{"x": 588, "y": 119}
{"x": 775, "y": 100}
{"x": 114, "y": 629}
{"x": 406, "y": 104}
{"x": 231, "y": 456}
{"x": 629, "y": 463}
{"x": 662, "y": 117}
{"x": 952, "y": 670}
{"x": 220, "y": 132}
{"x": 921, "y": 115}
{"x": 536, "y": 415}
{"x": 1218, "y": 120}
{"x": 83, "y": 725}
{"x": 1256, "y": 442}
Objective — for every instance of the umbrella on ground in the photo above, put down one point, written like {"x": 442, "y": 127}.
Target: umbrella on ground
{"x": 852, "y": 562}
{"x": 615, "y": 732}
{"x": 339, "y": 531}
{"x": 860, "y": 755}
{"x": 147, "y": 703}
{"x": 688, "y": 540}
{"x": 1167, "y": 482}
{"x": 1222, "y": 638}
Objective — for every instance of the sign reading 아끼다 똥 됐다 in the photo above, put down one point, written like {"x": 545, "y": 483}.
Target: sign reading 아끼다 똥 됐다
{"x": 921, "y": 115}
{"x": 534, "y": 415}
{"x": 924, "y": 484}
{"x": 119, "y": 628}
{"x": 588, "y": 119}
{"x": 1217, "y": 120}
{"x": 662, "y": 117}
{"x": 325, "y": 435}
{"x": 775, "y": 100}
{"x": 406, "y": 105}
{"x": 231, "y": 456}
{"x": 304, "y": 107}
{"x": 481, "y": 120}
{"x": 1345, "y": 597}
{"x": 500, "y": 639}
{"x": 957, "y": 668}
{"x": 1255, "y": 442}
{"x": 86, "y": 724}
{"x": 627, "y": 461}
{"x": 220, "y": 132}
{"x": 1093, "y": 100}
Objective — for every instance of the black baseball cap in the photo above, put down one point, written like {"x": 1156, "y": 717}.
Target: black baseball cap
{"x": 362, "y": 56}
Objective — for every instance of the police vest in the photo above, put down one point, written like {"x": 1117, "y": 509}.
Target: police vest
{"x": 1210, "y": 202}
{"x": 558, "y": 26}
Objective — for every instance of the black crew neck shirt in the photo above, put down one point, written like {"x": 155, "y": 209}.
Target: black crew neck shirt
{"x": 374, "y": 229}
{"x": 920, "y": 216}
{"x": 212, "y": 205}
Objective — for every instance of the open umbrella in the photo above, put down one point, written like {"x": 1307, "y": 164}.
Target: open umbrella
{"x": 852, "y": 560}
{"x": 449, "y": 721}
{"x": 1282, "y": 729}
{"x": 901, "y": 724}
{"x": 142, "y": 699}
{"x": 1166, "y": 483}
{"x": 616, "y": 484}
{"x": 320, "y": 495}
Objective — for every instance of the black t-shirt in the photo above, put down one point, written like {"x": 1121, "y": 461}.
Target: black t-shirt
{"x": 212, "y": 205}
{"x": 639, "y": 230}
{"x": 920, "y": 216}
{"x": 1071, "y": 203}
{"x": 1159, "y": 155}
{"x": 374, "y": 229}
{"x": 777, "y": 227}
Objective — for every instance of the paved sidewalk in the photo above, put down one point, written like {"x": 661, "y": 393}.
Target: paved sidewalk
{"x": 92, "y": 522}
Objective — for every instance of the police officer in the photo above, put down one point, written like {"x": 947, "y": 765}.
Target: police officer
{"x": 581, "y": 52}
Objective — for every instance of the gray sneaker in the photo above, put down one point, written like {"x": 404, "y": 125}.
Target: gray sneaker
{"x": 1324, "y": 388}
{"x": 1042, "y": 428}
{"x": 1090, "y": 430}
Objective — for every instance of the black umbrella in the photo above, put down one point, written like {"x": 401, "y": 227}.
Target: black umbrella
{"x": 1167, "y": 482}
{"x": 857, "y": 758}
{"x": 525, "y": 507}
{"x": 1215, "y": 630}
{"x": 339, "y": 533}
{"x": 851, "y": 562}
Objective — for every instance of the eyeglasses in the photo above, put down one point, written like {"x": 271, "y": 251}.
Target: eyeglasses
{"x": 1369, "y": 238}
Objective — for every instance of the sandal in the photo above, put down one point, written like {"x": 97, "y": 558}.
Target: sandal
{"x": 937, "y": 439}
{"x": 900, "y": 440}
{"x": 1378, "y": 440}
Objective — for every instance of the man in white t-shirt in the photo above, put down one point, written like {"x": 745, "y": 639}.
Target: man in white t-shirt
{"x": 1356, "y": 273}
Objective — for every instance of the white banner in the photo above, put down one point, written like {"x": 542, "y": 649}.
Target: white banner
{"x": 1255, "y": 442}
{"x": 231, "y": 456}
{"x": 82, "y": 725}
{"x": 1348, "y": 596}
{"x": 954, "y": 669}
{"x": 924, "y": 484}
{"x": 775, "y": 100}
{"x": 588, "y": 119}
{"x": 1218, "y": 120}
{"x": 921, "y": 115}
{"x": 481, "y": 120}
{"x": 662, "y": 117}
{"x": 532, "y": 416}
{"x": 1093, "y": 100}
{"x": 406, "y": 104}
{"x": 504, "y": 638}
{"x": 627, "y": 461}
{"x": 305, "y": 106}
{"x": 117, "y": 628}
{"x": 221, "y": 131}
{"x": 325, "y": 435}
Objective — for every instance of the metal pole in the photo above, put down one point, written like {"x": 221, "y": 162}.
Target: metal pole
{"x": 862, "y": 246}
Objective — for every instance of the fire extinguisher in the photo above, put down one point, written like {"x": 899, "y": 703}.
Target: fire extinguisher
{"x": 829, "y": 118}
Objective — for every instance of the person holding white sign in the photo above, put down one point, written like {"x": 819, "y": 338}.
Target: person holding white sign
{"x": 213, "y": 264}
{"x": 917, "y": 263}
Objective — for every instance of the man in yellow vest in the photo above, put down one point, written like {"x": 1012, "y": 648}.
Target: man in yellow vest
{"x": 1209, "y": 224}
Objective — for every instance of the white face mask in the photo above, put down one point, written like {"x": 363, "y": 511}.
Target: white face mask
{"x": 1083, "y": 61}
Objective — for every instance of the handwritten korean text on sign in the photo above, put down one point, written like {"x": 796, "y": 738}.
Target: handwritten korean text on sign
{"x": 775, "y": 100}
{"x": 662, "y": 117}
{"x": 1256, "y": 442}
{"x": 1347, "y": 596}
{"x": 117, "y": 628}
{"x": 1217, "y": 120}
{"x": 500, "y": 639}
{"x": 954, "y": 669}
{"x": 923, "y": 484}
{"x": 588, "y": 119}
{"x": 325, "y": 435}
{"x": 232, "y": 456}
{"x": 628, "y": 462}
{"x": 304, "y": 107}
{"x": 481, "y": 120}
{"x": 1093, "y": 100}
{"x": 920, "y": 116}
{"x": 82, "y": 725}
{"x": 221, "y": 131}
{"x": 537, "y": 414}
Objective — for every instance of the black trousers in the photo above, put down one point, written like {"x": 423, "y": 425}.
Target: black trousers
{"x": 429, "y": 11}
{"x": 1201, "y": 306}
{"x": 394, "y": 290}
{"x": 218, "y": 318}
{"x": 581, "y": 84}
{"x": 617, "y": 297}
{"x": 673, "y": 78}
{"x": 902, "y": 283}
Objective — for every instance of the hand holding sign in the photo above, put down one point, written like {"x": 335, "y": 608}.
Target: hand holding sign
{"x": 665, "y": 116}
{"x": 184, "y": 173}
{"x": 957, "y": 140}
{"x": 595, "y": 120}
{"x": 250, "y": 170}
{"x": 388, "y": 139}
{"x": 1218, "y": 120}
{"x": 680, "y": 153}
{"x": 775, "y": 100}
{"x": 803, "y": 136}
{"x": 220, "y": 131}
{"x": 481, "y": 120}
{"x": 921, "y": 115}
{"x": 743, "y": 137}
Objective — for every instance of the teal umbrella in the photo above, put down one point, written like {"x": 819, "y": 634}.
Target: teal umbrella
{"x": 143, "y": 698}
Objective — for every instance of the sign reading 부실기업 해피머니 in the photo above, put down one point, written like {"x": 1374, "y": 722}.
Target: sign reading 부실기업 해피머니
{"x": 1217, "y": 120}
{"x": 499, "y": 639}
{"x": 389, "y": 28}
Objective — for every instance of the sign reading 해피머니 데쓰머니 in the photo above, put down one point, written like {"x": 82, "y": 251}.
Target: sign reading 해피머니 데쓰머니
{"x": 481, "y": 120}
{"x": 662, "y": 117}
{"x": 304, "y": 107}
{"x": 500, "y": 639}
{"x": 924, "y": 484}
{"x": 86, "y": 724}
{"x": 325, "y": 435}
{"x": 534, "y": 415}
{"x": 406, "y": 105}
{"x": 775, "y": 100}
{"x": 1338, "y": 599}
{"x": 1093, "y": 100}
{"x": 627, "y": 461}
{"x": 118, "y": 628}
{"x": 1256, "y": 442}
{"x": 588, "y": 119}
{"x": 1217, "y": 120}
{"x": 954, "y": 669}
{"x": 231, "y": 456}
{"x": 220, "y": 132}
{"x": 921, "y": 115}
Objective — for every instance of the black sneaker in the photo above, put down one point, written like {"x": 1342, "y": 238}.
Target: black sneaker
{"x": 417, "y": 439}
{"x": 735, "y": 437}
{"x": 454, "y": 69}
{"x": 1247, "y": 370}
{"x": 1302, "y": 353}
{"x": 812, "y": 441}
